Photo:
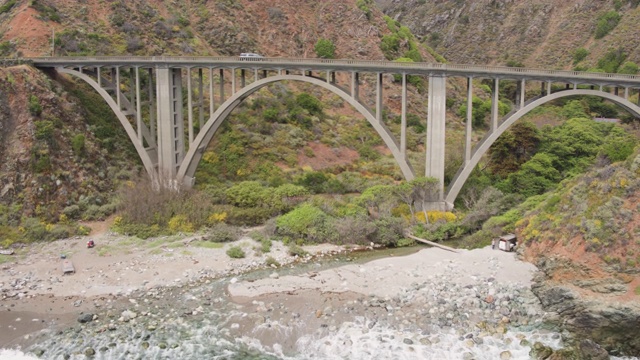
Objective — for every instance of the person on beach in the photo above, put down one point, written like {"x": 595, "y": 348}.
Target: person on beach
{"x": 493, "y": 244}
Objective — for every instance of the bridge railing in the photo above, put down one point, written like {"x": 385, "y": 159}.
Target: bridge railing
{"x": 326, "y": 63}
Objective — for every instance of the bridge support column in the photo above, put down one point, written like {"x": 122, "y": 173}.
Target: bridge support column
{"x": 522, "y": 93}
{"x": 212, "y": 103}
{"x": 355, "y": 85}
{"x": 138, "y": 105}
{"x": 436, "y": 116}
{"x": 494, "y": 104}
{"x": 379, "y": 97}
{"x": 403, "y": 121}
{"x": 221, "y": 86}
{"x": 170, "y": 124}
{"x": 152, "y": 116}
{"x": 190, "y": 105}
{"x": 467, "y": 141}
{"x": 200, "y": 99}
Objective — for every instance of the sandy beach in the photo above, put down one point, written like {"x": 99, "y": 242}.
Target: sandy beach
{"x": 122, "y": 273}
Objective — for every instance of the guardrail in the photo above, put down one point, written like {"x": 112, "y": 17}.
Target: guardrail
{"x": 328, "y": 63}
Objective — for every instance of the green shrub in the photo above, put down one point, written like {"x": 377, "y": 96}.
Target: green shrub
{"x": 271, "y": 262}
{"x": 265, "y": 245}
{"x": 248, "y": 216}
{"x": 325, "y": 49}
{"x": 612, "y": 60}
{"x": 628, "y": 67}
{"x": 140, "y": 230}
{"x": 92, "y": 212}
{"x": 72, "y": 211}
{"x": 314, "y": 181}
{"x": 388, "y": 231}
{"x": 295, "y": 250}
{"x": 365, "y": 6}
{"x": 479, "y": 239}
{"x": 222, "y": 232}
{"x": 46, "y": 11}
{"x": 236, "y": 252}
{"x": 353, "y": 230}
{"x": 44, "y": 130}
{"x": 34, "y": 105}
{"x": 60, "y": 232}
{"x": 40, "y": 160}
{"x": 306, "y": 222}
{"x": 247, "y": 194}
{"x": 7, "y": 6}
{"x": 309, "y": 103}
{"x": 606, "y": 23}
{"x": 579, "y": 54}
{"x": 390, "y": 44}
{"x": 78, "y": 144}
{"x": 34, "y": 230}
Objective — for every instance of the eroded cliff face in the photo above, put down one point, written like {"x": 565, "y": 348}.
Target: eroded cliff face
{"x": 538, "y": 33}
{"x": 588, "y": 253}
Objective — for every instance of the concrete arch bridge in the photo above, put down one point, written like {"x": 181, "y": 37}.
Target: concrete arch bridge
{"x": 171, "y": 135}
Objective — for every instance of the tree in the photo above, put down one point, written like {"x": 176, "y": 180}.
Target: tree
{"x": 612, "y": 60}
{"x": 514, "y": 147}
{"x": 404, "y": 192}
{"x": 325, "y": 48}
{"x": 379, "y": 197}
{"x": 535, "y": 177}
{"x": 628, "y": 67}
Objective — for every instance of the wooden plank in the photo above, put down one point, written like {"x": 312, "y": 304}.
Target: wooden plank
{"x": 432, "y": 243}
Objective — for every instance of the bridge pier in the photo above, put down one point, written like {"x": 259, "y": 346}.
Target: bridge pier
{"x": 436, "y": 118}
{"x": 170, "y": 124}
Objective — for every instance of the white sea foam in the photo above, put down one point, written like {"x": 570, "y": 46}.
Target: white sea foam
{"x": 12, "y": 354}
{"x": 357, "y": 342}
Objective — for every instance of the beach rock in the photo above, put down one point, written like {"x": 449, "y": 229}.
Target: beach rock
{"x": 89, "y": 352}
{"x": 128, "y": 315}
{"x": 505, "y": 355}
{"x": 539, "y": 351}
{"x": 85, "y": 318}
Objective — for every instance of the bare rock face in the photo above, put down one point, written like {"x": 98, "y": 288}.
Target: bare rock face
{"x": 598, "y": 325}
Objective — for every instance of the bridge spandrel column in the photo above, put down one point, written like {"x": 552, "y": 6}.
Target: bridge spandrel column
{"x": 170, "y": 123}
{"x": 436, "y": 117}
{"x": 379, "y": 97}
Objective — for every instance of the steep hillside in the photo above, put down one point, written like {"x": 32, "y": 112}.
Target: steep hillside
{"x": 585, "y": 239}
{"x": 60, "y": 154}
{"x": 224, "y": 27}
{"x": 538, "y": 33}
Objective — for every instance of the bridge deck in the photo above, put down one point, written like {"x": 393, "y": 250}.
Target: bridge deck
{"x": 344, "y": 65}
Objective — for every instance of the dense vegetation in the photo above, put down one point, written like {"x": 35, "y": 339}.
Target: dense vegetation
{"x": 251, "y": 173}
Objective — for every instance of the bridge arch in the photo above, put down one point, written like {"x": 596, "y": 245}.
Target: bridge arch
{"x": 190, "y": 162}
{"x": 484, "y": 145}
{"x": 139, "y": 146}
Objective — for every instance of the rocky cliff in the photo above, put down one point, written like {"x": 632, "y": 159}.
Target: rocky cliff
{"x": 585, "y": 240}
